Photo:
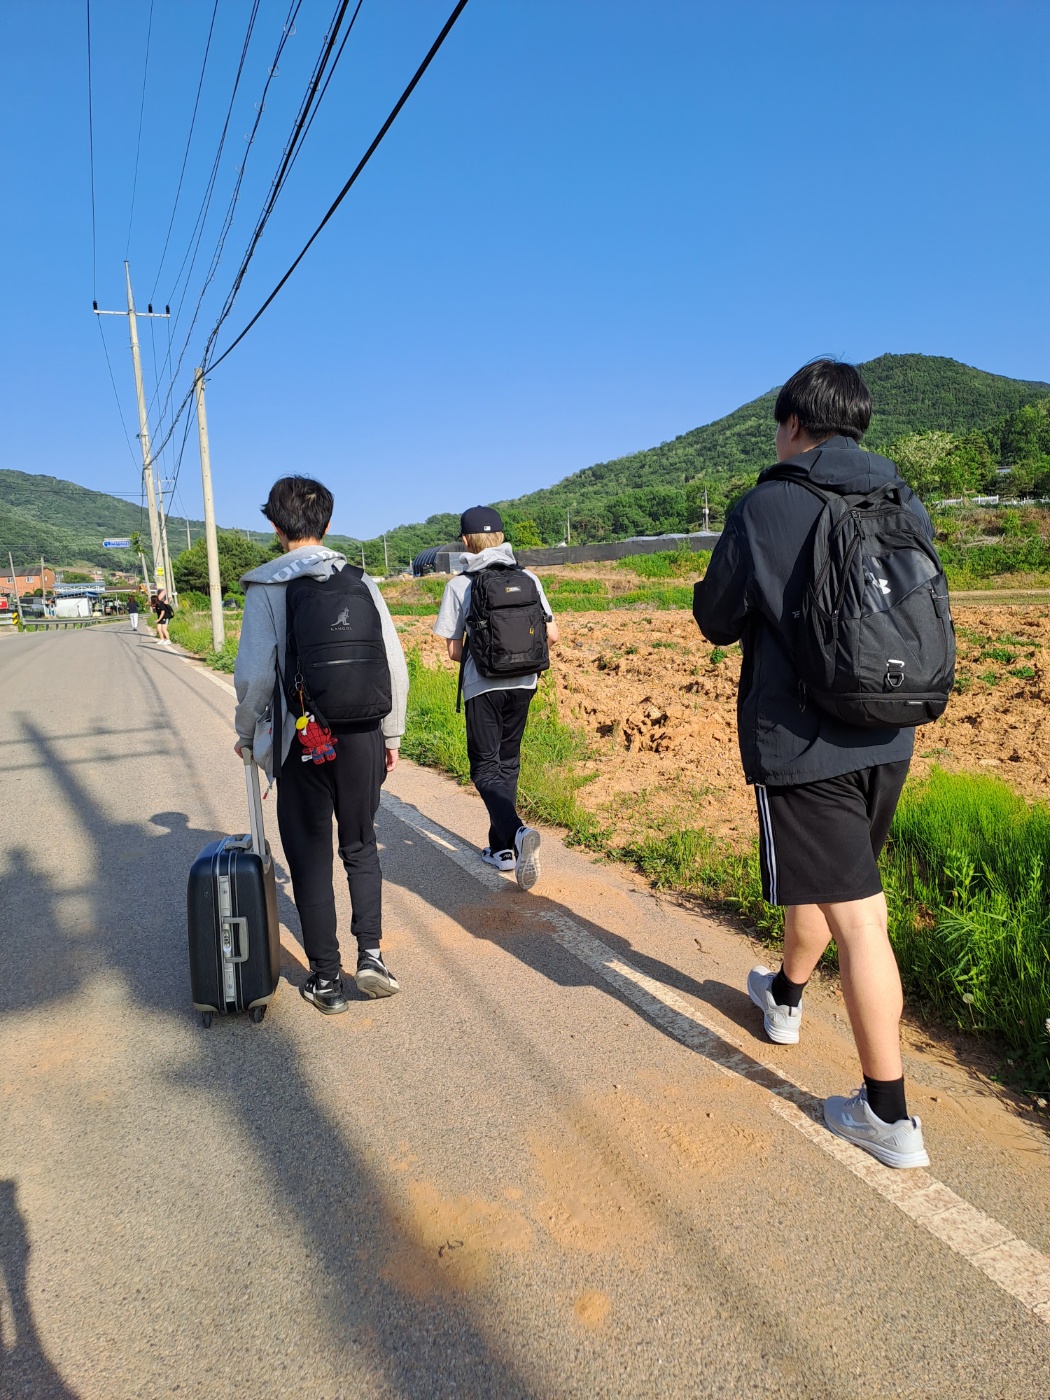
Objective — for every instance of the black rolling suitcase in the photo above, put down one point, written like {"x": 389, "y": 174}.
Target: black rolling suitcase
{"x": 231, "y": 905}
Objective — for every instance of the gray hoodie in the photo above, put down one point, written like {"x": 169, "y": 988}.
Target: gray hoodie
{"x": 263, "y": 640}
{"x": 455, "y": 605}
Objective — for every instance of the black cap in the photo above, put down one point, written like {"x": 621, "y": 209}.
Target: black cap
{"x": 480, "y": 520}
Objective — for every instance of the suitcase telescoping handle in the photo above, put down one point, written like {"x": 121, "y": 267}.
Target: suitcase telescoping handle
{"x": 255, "y": 816}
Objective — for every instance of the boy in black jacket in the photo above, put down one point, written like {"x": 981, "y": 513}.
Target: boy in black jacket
{"x": 826, "y": 791}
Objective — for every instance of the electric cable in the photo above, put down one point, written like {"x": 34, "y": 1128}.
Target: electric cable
{"x": 442, "y": 36}
{"x": 186, "y": 153}
{"x": 91, "y": 162}
{"x": 138, "y": 142}
{"x": 304, "y": 120}
{"x": 113, "y": 381}
{"x": 460, "y": 7}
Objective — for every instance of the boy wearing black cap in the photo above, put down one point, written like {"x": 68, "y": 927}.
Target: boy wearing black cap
{"x": 497, "y": 707}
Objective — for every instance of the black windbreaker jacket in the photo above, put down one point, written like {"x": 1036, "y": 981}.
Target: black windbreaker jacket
{"x": 751, "y": 592}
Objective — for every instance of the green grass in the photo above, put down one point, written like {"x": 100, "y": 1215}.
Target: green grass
{"x": 193, "y": 631}
{"x": 665, "y": 599}
{"x": 967, "y": 879}
{"x": 550, "y": 752}
{"x": 678, "y": 563}
{"x": 968, "y": 883}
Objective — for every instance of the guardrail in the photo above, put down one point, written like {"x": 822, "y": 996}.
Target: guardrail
{"x": 34, "y": 624}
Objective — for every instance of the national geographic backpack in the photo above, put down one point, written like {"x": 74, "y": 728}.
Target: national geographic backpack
{"x": 506, "y": 624}
{"x": 335, "y": 649}
{"x": 874, "y": 643}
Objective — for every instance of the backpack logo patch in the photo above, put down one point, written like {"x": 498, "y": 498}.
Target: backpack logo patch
{"x": 514, "y": 589}
{"x": 342, "y": 622}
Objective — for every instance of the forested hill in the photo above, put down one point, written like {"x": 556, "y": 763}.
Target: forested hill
{"x": 953, "y": 429}
{"x": 66, "y": 523}
{"x": 912, "y": 394}
{"x": 958, "y": 423}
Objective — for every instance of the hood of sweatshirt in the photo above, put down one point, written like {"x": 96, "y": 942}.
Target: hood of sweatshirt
{"x": 495, "y": 554}
{"x": 309, "y": 560}
{"x": 841, "y": 465}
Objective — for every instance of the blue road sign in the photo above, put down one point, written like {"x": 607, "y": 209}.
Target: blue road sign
{"x": 116, "y": 544}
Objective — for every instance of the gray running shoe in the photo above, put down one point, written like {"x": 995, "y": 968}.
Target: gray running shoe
{"x": 527, "y": 848}
{"x": 502, "y": 860}
{"x": 781, "y": 1022}
{"x": 894, "y": 1144}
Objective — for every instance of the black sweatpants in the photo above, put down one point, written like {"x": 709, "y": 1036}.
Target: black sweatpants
{"x": 495, "y": 725}
{"x": 308, "y": 796}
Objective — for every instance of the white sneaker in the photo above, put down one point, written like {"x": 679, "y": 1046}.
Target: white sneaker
{"x": 502, "y": 860}
{"x": 527, "y": 849}
{"x": 897, "y": 1144}
{"x": 781, "y": 1022}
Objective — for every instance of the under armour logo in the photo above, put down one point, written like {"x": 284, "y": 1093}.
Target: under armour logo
{"x": 342, "y": 622}
{"x": 882, "y": 584}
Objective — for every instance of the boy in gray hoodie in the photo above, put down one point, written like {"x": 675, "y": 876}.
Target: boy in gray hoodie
{"x": 310, "y": 794}
{"x": 497, "y": 708}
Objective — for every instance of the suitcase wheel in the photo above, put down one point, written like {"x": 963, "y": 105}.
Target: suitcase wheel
{"x": 257, "y": 1013}
{"x": 205, "y": 1019}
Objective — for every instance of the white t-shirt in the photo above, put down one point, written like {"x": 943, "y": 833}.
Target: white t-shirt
{"x": 452, "y": 619}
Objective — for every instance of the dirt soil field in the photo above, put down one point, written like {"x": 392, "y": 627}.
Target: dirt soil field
{"x": 658, "y": 705}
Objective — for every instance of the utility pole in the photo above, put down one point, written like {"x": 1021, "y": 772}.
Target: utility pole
{"x": 14, "y": 585}
{"x": 43, "y": 586}
{"x": 707, "y": 513}
{"x": 145, "y": 575}
{"x": 386, "y": 559}
{"x": 169, "y": 581}
{"x": 364, "y": 567}
{"x": 189, "y": 542}
{"x": 568, "y": 532}
{"x": 160, "y": 567}
{"x": 211, "y": 539}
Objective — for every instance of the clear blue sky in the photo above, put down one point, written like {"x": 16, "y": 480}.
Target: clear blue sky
{"x": 596, "y": 225}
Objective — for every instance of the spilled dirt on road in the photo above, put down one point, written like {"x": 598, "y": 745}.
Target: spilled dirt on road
{"x": 658, "y": 705}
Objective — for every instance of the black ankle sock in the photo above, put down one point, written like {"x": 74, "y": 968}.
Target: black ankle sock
{"x": 886, "y": 1098}
{"x": 786, "y": 993}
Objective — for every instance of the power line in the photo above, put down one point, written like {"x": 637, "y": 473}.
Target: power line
{"x": 138, "y": 142}
{"x": 304, "y": 120}
{"x": 91, "y": 159}
{"x": 186, "y": 153}
{"x": 460, "y": 7}
{"x": 113, "y": 381}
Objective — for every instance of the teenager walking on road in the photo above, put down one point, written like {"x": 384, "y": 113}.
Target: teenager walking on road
{"x": 496, "y": 622}
{"x": 165, "y": 612}
{"x": 827, "y": 789}
{"x": 133, "y": 611}
{"x": 322, "y": 689}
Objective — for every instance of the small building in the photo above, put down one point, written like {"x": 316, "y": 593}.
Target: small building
{"x": 28, "y": 581}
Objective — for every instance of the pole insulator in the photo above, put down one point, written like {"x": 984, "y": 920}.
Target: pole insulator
{"x": 94, "y": 306}
{"x": 149, "y": 308}
{"x": 167, "y": 311}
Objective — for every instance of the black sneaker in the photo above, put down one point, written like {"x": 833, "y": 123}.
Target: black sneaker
{"x": 326, "y": 995}
{"x": 374, "y": 978}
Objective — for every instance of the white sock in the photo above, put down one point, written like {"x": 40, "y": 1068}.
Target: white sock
{"x": 371, "y": 953}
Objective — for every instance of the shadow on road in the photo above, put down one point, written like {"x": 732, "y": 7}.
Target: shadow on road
{"x": 24, "y": 1366}
{"x": 133, "y": 929}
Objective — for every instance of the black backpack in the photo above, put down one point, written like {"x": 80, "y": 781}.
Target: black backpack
{"x": 335, "y": 650}
{"x": 506, "y": 624}
{"x": 874, "y": 643}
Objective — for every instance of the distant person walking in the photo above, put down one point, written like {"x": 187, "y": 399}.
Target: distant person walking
{"x": 827, "y": 783}
{"x": 322, "y": 689}
{"x": 133, "y": 611}
{"x": 497, "y": 622}
{"x": 165, "y": 612}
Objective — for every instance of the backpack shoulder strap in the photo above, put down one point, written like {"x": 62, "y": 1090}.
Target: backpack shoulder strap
{"x": 806, "y": 484}
{"x": 354, "y": 570}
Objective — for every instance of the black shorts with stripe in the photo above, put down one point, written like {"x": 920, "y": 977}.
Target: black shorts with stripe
{"x": 819, "y": 843}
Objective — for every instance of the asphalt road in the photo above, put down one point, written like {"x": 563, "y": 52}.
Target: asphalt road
{"x": 563, "y": 1162}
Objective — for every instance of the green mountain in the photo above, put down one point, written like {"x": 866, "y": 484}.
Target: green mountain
{"x": 66, "y": 523}
{"x": 952, "y": 428}
{"x": 661, "y": 489}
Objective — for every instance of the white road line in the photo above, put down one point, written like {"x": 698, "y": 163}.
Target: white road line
{"x": 1010, "y": 1263}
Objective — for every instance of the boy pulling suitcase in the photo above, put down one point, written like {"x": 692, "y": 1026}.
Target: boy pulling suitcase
{"x": 497, "y": 622}
{"x": 322, "y": 689}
